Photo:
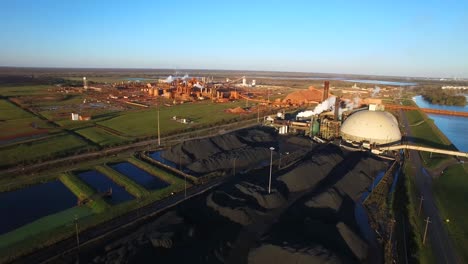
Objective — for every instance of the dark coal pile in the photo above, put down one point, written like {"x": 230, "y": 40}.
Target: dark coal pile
{"x": 309, "y": 216}
{"x": 249, "y": 147}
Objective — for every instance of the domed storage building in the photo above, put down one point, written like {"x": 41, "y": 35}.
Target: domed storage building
{"x": 374, "y": 127}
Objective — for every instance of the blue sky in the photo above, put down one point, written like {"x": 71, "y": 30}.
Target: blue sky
{"x": 406, "y": 38}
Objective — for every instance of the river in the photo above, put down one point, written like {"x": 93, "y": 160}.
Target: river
{"x": 454, "y": 127}
{"x": 377, "y": 82}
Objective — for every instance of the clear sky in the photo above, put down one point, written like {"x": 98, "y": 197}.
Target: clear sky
{"x": 401, "y": 37}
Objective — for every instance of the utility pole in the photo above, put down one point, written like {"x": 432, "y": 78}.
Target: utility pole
{"x": 77, "y": 239}
{"x": 271, "y": 164}
{"x": 392, "y": 221}
{"x": 234, "y": 172}
{"x": 258, "y": 113}
{"x": 185, "y": 177}
{"x": 279, "y": 162}
{"x": 421, "y": 199}
{"x": 425, "y": 230}
{"x": 159, "y": 135}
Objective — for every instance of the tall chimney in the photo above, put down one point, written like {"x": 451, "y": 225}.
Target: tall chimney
{"x": 337, "y": 108}
{"x": 326, "y": 88}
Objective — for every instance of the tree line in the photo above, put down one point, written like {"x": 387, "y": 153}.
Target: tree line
{"x": 444, "y": 97}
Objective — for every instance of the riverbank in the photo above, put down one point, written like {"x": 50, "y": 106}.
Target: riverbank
{"x": 426, "y": 132}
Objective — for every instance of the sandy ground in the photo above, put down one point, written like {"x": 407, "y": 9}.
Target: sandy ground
{"x": 309, "y": 216}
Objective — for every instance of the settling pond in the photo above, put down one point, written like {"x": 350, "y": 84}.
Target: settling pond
{"x": 141, "y": 177}
{"x": 26, "y": 205}
{"x": 102, "y": 183}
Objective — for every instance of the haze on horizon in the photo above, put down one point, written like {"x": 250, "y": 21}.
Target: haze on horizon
{"x": 400, "y": 38}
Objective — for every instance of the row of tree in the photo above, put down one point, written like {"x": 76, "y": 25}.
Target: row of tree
{"x": 443, "y": 97}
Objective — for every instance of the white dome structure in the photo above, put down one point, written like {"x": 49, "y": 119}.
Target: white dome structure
{"x": 373, "y": 126}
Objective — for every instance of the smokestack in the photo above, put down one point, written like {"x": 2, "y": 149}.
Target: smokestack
{"x": 337, "y": 109}
{"x": 326, "y": 88}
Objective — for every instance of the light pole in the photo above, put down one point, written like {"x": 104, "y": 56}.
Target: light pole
{"x": 279, "y": 161}
{"x": 234, "y": 172}
{"x": 159, "y": 135}
{"x": 421, "y": 199}
{"x": 271, "y": 165}
{"x": 77, "y": 239}
{"x": 425, "y": 230}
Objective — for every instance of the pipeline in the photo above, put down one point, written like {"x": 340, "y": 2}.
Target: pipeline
{"x": 427, "y": 149}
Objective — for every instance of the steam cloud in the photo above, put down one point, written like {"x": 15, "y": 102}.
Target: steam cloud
{"x": 375, "y": 91}
{"x": 328, "y": 104}
{"x": 198, "y": 86}
{"x": 169, "y": 79}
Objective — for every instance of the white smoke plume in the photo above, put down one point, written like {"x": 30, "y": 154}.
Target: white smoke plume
{"x": 185, "y": 77}
{"x": 169, "y": 79}
{"x": 198, "y": 85}
{"x": 351, "y": 104}
{"x": 375, "y": 91}
{"x": 328, "y": 104}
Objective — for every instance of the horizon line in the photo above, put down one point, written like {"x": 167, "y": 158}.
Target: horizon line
{"x": 222, "y": 70}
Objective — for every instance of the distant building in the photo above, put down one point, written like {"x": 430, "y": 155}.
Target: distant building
{"x": 454, "y": 87}
{"x": 75, "y": 116}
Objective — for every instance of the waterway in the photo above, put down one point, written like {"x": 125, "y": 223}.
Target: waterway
{"x": 380, "y": 82}
{"x": 454, "y": 127}
{"x": 26, "y": 205}
{"x": 141, "y": 177}
{"x": 102, "y": 183}
{"x": 140, "y": 79}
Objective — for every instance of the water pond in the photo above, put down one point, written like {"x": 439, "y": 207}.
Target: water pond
{"x": 26, "y": 205}
{"x": 102, "y": 183}
{"x": 139, "y": 176}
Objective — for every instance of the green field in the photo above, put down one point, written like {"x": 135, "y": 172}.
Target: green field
{"x": 451, "y": 192}
{"x": 37, "y": 233}
{"x": 42, "y": 149}
{"x": 40, "y": 140}
{"x": 101, "y": 136}
{"x": 9, "y": 111}
{"x": 427, "y": 134}
{"x": 16, "y": 121}
{"x": 23, "y": 90}
{"x": 144, "y": 123}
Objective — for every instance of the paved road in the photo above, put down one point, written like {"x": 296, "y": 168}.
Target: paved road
{"x": 442, "y": 244}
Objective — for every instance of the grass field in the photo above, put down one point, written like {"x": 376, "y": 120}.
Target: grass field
{"x": 23, "y": 90}
{"x": 44, "y": 225}
{"x": 100, "y": 136}
{"x": 15, "y": 121}
{"x": 427, "y": 134}
{"x": 144, "y": 123}
{"x": 9, "y": 111}
{"x": 451, "y": 191}
{"x": 41, "y": 149}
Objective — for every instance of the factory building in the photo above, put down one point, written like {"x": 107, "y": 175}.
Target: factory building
{"x": 371, "y": 127}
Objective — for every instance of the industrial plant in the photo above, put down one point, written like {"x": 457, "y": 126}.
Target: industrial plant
{"x": 334, "y": 118}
